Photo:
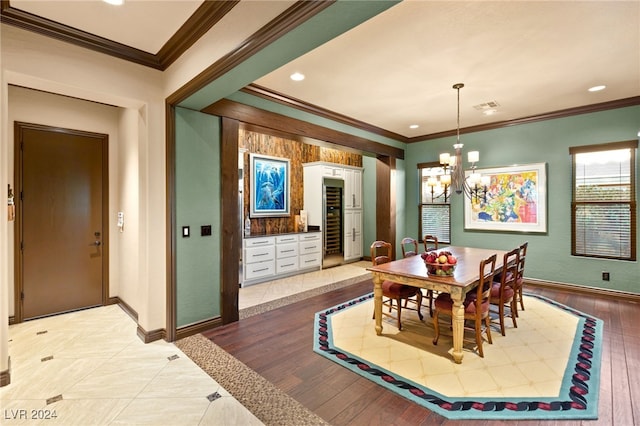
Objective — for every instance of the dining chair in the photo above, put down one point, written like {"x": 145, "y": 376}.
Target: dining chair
{"x": 502, "y": 295}
{"x": 409, "y": 246}
{"x": 381, "y": 253}
{"x": 519, "y": 284}
{"x": 476, "y": 305}
{"x": 430, "y": 242}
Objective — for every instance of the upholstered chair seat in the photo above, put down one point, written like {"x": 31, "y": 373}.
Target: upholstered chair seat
{"x": 399, "y": 291}
{"x": 445, "y": 303}
{"x": 394, "y": 293}
{"x": 495, "y": 291}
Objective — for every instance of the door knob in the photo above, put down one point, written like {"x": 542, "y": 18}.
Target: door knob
{"x": 95, "y": 243}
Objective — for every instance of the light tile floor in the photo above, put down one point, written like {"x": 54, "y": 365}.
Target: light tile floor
{"x": 270, "y": 291}
{"x": 90, "y": 368}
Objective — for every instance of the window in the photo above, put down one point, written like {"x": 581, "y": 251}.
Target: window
{"x": 435, "y": 207}
{"x": 603, "y": 208}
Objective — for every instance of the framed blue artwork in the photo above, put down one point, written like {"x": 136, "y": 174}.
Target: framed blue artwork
{"x": 269, "y": 186}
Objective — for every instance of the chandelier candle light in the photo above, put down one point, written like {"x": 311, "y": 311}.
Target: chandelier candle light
{"x": 475, "y": 186}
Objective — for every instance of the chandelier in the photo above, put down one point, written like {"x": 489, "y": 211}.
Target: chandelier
{"x": 475, "y": 186}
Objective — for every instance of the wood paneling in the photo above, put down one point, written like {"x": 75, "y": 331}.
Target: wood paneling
{"x": 297, "y": 153}
{"x": 231, "y": 230}
{"x": 385, "y": 229}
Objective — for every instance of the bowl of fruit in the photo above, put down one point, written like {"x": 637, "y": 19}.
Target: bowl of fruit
{"x": 442, "y": 263}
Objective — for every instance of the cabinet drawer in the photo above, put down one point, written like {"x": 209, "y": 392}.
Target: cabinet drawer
{"x": 310, "y": 260}
{"x": 259, "y": 270}
{"x": 332, "y": 171}
{"x": 314, "y": 236}
{"x": 289, "y": 264}
{"x": 307, "y": 247}
{"x": 258, "y": 242}
{"x": 286, "y": 250}
{"x": 283, "y": 239}
{"x": 259, "y": 254}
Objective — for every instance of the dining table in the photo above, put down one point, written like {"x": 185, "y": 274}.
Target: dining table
{"x": 413, "y": 271}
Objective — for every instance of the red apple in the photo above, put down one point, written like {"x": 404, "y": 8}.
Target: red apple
{"x": 451, "y": 260}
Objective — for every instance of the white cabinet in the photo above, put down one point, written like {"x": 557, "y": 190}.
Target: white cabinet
{"x": 353, "y": 188}
{"x": 332, "y": 171}
{"x": 259, "y": 258}
{"x": 352, "y": 234}
{"x": 310, "y": 248}
{"x": 314, "y": 175}
{"x": 286, "y": 254}
{"x": 271, "y": 257}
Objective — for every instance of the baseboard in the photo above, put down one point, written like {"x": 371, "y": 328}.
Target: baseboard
{"x": 150, "y": 336}
{"x": 196, "y": 328}
{"x": 601, "y": 292}
{"x": 5, "y": 376}
{"x": 124, "y": 306}
{"x": 144, "y": 335}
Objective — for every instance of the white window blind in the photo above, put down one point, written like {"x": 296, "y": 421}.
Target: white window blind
{"x": 435, "y": 220}
{"x": 603, "y": 205}
{"x": 434, "y": 208}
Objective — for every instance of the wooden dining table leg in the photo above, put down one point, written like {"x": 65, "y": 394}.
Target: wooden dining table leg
{"x": 377, "y": 302}
{"x": 458, "y": 326}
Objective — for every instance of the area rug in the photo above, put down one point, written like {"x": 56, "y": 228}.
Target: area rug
{"x": 546, "y": 368}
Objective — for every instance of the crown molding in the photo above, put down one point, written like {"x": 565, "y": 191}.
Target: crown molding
{"x": 272, "y": 95}
{"x": 291, "y": 18}
{"x": 586, "y": 109}
{"x": 202, "y": 20}
{"x": 205, "y": 17}
{"x": 298, "y": 104}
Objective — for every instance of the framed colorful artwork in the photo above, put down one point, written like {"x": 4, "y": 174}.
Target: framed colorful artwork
{"x": 514, "y": 200}
{"x": 269, "y": 186}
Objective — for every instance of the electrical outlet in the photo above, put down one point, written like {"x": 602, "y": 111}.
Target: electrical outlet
{"x": 605, "y": 276}
{"x": 205, "y": 230}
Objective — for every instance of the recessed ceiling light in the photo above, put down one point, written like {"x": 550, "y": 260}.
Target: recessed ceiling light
{"x": 114, "y": 2}
{"x": 489, "y": 111}
{"x": 297, "y": 76}
{"x": 413, "y": 126}
{"x": 597, "y": 88}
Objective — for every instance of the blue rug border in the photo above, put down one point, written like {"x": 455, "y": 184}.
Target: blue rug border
{"x": 580, "y": 386}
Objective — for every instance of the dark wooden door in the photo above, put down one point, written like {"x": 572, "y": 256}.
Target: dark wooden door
{"x": 63, "y": 242}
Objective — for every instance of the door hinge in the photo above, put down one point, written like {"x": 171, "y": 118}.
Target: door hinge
{"x": 22, "y": 295}
{"x": 21, "y": 245}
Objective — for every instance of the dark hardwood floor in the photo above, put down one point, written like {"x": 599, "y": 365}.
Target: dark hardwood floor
{"x": 279, "y": 346}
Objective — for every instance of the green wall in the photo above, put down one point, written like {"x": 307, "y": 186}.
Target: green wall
{"x": 549, "y": 255}
{"x": 197, "y": 204}
{"x": 547, "y": 142}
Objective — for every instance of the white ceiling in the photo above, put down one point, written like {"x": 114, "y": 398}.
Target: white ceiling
{"x": 397, "y": 69}
{"x": 144, "y": 24}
